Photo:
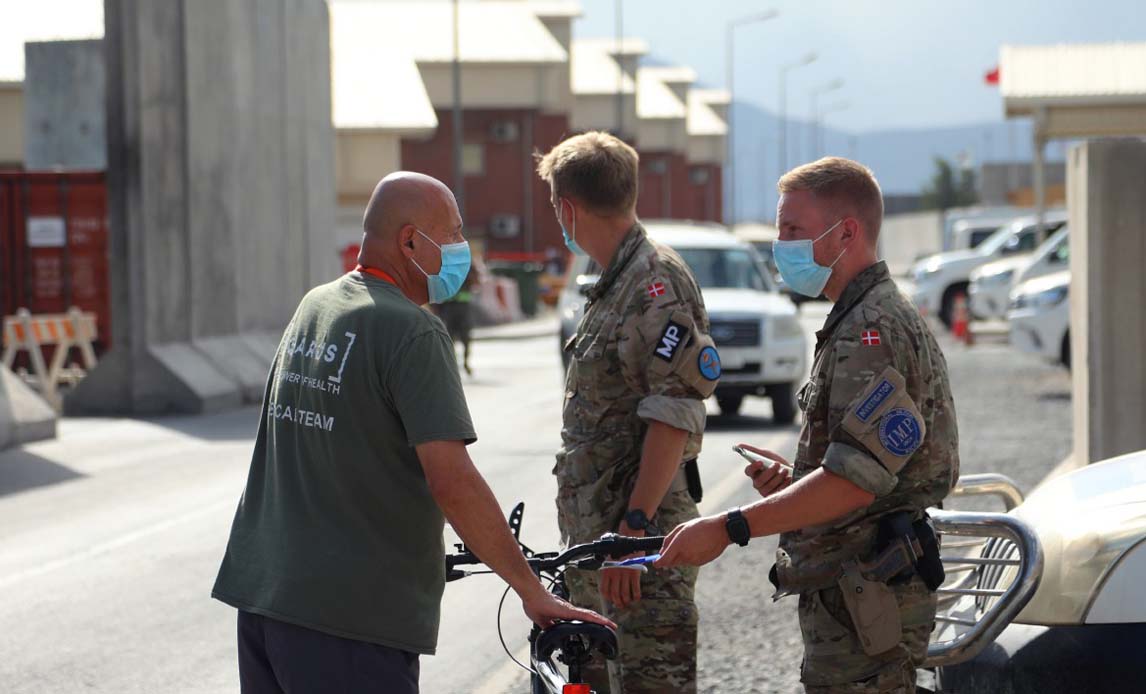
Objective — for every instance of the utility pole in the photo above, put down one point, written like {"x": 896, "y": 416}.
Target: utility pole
{"x": 729, "y": 75}
{"x": 814, "y": 135}
{"x": 459, "y": 177}
{"x": 620, "y": 27}
{"x": 784, "y": 69}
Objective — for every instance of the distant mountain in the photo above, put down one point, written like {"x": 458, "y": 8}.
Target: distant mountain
{"x": 901, "y": 159}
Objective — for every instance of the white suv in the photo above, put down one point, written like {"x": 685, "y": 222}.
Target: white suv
{"x": 763, "y": 348}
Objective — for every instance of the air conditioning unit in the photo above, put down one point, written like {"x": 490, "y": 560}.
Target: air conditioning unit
{"x": 505, "y": 226}
{"x": 504, "y": 131}
{"x": 698, "y": 176}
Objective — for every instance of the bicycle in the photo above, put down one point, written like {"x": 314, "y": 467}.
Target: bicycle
{"x": 572, "y": 643}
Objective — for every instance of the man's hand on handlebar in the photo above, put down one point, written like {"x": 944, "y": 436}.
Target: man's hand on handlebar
{"x": 544, "y": 608}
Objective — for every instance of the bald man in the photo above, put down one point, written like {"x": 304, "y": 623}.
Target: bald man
{"x": 335, "y": 560}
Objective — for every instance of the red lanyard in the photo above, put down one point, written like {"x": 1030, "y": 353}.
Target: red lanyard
{"x": 377, "y": 273}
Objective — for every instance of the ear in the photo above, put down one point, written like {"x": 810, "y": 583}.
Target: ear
{"x": 406, "y": 239}
{"x": 851, "y": 230}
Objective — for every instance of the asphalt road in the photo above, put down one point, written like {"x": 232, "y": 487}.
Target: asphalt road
{"x": 110, "y": 536}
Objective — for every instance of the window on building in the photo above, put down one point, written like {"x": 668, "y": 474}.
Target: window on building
{"x": 473, "y": 159}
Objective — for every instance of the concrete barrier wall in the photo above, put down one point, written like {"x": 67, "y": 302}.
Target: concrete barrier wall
{"x": 221, "y": 195}
{"x": 1107, "y": 296}
{"x": 905, "y": 238}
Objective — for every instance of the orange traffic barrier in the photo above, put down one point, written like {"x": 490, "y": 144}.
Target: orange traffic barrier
{"x": 28, "y": 333}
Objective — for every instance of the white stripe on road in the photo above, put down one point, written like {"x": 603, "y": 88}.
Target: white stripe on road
{"x": 116, "y": 543}
{"x": 506, "y": 676}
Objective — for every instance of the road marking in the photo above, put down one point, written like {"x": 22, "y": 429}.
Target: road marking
{"x": 116, "y": 543}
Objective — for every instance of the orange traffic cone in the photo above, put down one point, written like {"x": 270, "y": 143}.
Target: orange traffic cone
{"x": 961, "y": 321}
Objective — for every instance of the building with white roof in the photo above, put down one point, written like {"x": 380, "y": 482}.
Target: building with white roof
{"x": 1074, "y": 91}
{"x": 603, "y": 75}
{"x": 392, "y": 65}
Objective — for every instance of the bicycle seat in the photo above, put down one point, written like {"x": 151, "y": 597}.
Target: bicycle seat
{"x": 599, "y": 637}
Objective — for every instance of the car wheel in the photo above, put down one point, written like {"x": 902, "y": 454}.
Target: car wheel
{"x": 729, "y": 404}
{"x": 947, "y": 307}
{"x": 783, "y": 403}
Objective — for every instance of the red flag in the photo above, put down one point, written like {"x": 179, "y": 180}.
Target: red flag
{"x": 992, "y": 77}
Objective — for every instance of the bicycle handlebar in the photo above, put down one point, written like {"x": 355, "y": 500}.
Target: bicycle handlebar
{"x": 611, "y": 545}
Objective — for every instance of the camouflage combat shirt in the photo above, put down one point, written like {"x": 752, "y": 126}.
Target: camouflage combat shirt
{"x": 641, "y": 352}
{"x": 878, "y": 412}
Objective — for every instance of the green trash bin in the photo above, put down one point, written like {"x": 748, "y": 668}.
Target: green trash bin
{"x": 525, "y": 274}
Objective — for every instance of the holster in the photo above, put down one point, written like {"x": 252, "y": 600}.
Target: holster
{"x": 692, "y": 477}
{"x": 905, "y": 547}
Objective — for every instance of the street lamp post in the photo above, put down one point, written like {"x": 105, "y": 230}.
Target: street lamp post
{"x": 814, "y": 135}
{"x": 729, "y": 144}
{"x": 619, "y": 25}
{"x": 806, "y": 60}
{"x": 830, "y": 108}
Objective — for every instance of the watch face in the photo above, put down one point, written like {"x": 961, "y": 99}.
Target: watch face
{"x": 636, "y": 519}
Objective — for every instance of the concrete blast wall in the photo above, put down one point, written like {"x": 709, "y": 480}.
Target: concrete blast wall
{"x": 905, "y": 238}
{"x": 1108, "y": 297}
{"x": 221, "y": 196}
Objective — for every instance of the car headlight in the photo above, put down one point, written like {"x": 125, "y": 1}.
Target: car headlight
{"x": 1043, "y": 299}
{"x": 787, "y": 327}
{"x": 996, "y": 279}
{"x": 923, "y": 274}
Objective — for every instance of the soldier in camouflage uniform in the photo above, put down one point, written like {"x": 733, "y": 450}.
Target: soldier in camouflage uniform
{"x": 879, "y": 436}
{"x": 642, "y": 365}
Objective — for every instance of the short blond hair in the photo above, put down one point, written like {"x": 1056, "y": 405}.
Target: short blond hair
{"x": 845, "y": 183}
{"x": 596, "y": 168}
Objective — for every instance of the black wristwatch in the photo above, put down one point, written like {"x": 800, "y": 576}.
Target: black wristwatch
{"x": 737, "y": 526}
{"x": 637, "y": 520}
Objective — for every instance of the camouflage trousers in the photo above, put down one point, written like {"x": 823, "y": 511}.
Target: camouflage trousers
{"x": 834, "y": 660}
{"x": 657, "y": 634}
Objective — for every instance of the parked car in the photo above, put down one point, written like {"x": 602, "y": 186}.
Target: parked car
{"x": 1040, "y": 316}
{"x": 940, "y": 280}
{"x": 971, "y": 233}
{"x": 1084, "y": 627}
{"x": 763, "y": 348}
{"x": 991, "y": 284}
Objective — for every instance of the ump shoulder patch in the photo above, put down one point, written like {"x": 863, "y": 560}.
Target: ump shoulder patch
{"x": 709, "y": 363}
{"x": 672, "y": 337}
{"x": 899, "y": 432}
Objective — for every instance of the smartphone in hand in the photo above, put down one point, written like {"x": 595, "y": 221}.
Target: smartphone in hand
{"x": 757, "y": 458}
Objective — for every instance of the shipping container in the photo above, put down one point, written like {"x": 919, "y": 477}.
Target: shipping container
{"x": 54, "y": 245}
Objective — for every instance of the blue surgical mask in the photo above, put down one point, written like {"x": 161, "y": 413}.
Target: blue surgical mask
{"x": 571, "y": 241}
{"x": 798, "y": 267}
{"x": 455, "y": 268}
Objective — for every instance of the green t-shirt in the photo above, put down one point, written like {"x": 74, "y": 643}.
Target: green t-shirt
{"x": 337, "y": 530}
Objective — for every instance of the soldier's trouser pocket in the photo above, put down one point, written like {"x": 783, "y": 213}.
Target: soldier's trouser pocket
{"x": 834, "y": 656}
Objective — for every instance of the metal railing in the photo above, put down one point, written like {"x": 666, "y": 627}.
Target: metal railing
{"x": 996, "y": 607}
{"x": 992, "y": 484}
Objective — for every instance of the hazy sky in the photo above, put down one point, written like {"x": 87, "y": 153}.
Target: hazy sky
{"x": 906, "y": 63}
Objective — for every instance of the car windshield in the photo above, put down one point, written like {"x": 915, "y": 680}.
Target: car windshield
{"x": 725, "y": 268}
{"x": 715, "y": 268}
{"x": 996, "y": 240}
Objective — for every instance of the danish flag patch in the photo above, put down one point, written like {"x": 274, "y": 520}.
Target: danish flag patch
{"x": 656, "y": 289}
{"x": 870, "y": 337}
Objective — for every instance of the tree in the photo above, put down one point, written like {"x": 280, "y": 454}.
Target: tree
{"x": 947, "y": 189}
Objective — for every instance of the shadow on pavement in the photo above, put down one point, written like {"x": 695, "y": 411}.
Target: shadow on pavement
{"x": 21, "y": 471}
{"x": 233, "y": 425}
